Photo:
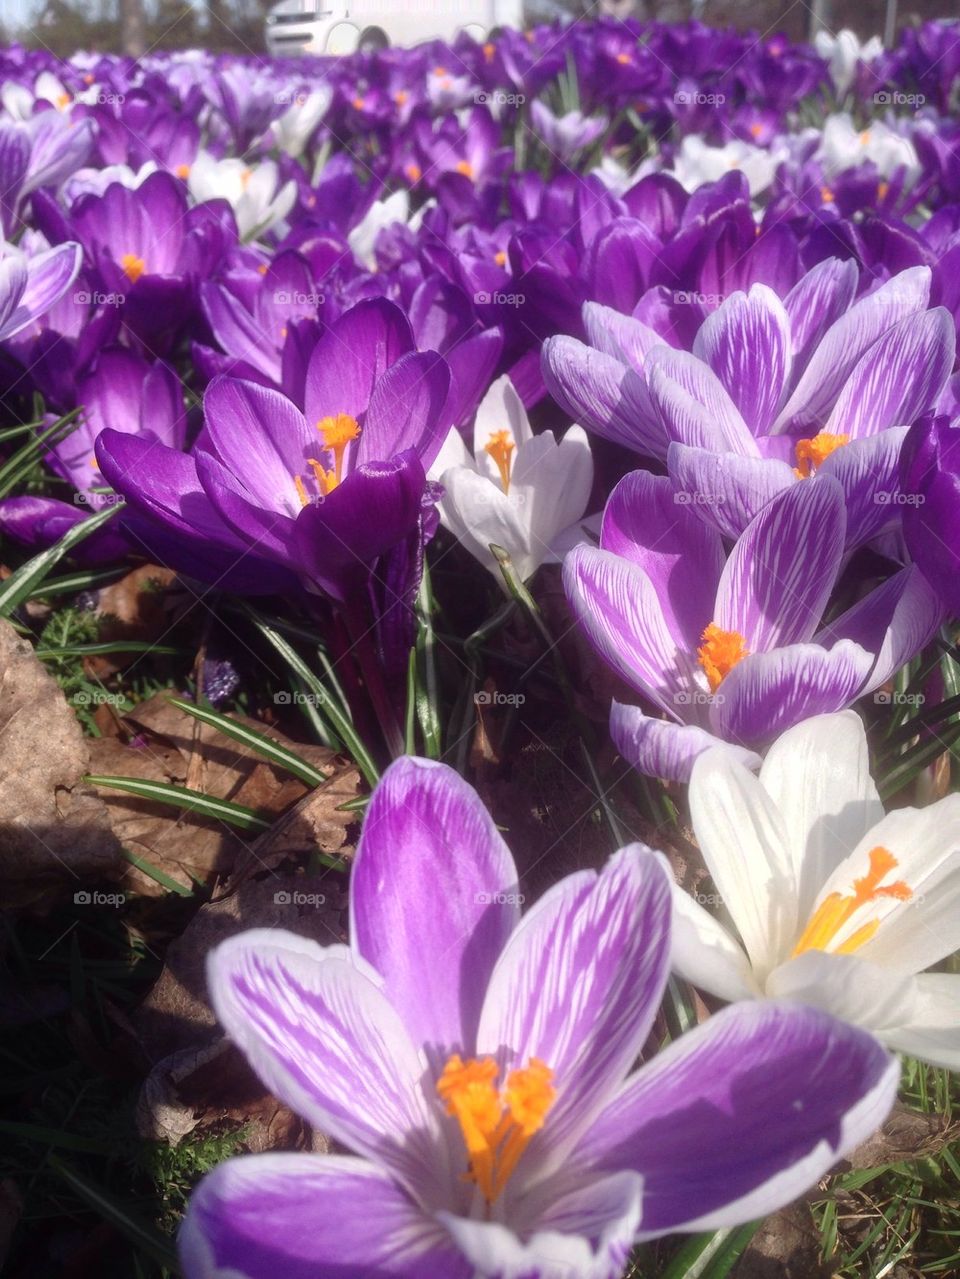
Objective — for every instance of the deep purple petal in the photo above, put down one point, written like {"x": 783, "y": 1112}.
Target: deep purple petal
{"x": 406, "y": 410}
{"x": 352, "y": 357}
{"x": 433, "y": 900}
{"x": 741, "y": 1115}
{"x": 259, "y": 435}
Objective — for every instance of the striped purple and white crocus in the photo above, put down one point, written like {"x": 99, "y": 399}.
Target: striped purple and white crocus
{"x": 481, "y": 1067}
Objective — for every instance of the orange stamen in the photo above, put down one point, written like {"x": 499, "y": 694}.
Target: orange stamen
{"x": 500, "y": 258}
{"x": 826, "y": 195}
{"x": 466, "y": 168}
{"x": 500, "y": 446}
{"x": 835, "y": 911}
{"x": 719, "y": 653}
{"x": 133, "y": 267}
{"x": 496, "y": 1127}
{"x": 337, "y": 432}
{"x": 811, "y": 454}
{"x": 182, "y": 171}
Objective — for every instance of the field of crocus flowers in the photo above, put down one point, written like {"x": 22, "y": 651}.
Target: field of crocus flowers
{"x": 479, "y": 586}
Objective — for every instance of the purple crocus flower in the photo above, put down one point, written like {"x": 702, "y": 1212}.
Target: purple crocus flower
{"x": 771, "y": 392}
{"x": 930, "y": 481}
{"x": 734, "y": 650}
{"x": 30, "y": 286}
{"x": 565, "y": 135}
{"x": 479, "y": 1065}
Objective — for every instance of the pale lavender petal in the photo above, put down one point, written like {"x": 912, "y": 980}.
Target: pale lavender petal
{"x": 602, "y": 394}
{"x": 738, "y": 1117}
{"x": 694, "y": 406}
{"x": 726, "y": 489}
{"x": 658, "y": 748}
{"x": 868, "y": 472}
{"x": 578, "y": 987}
{"x": 845, "y": 342}
{"x": 747, "y": 343}
{"x": 767, "y": 693}
{"x": 782, "y": 571}
{"x": 893, "y": 622}
{"x": 570, "y": 1226}
{"x": 49, "y": 275}
{"x": 646, "y": 522}
{"x": 617, "y": 606}
{"x": 618, "y": 335}
{"x": 817, "y": 300}
{"x": 899, "y": 378}
{"x": 433, "y": 900}
{"x": 292, "y": 1216}
{"x": 323, "y": 1037}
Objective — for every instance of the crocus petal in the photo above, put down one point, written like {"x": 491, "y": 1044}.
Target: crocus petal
{"x": 782, "y": 571}
{"x": 744, "y": 845}
{"x": 817, "y": 300}
{"x": 479, "y": 513}
{"x": 817, "y": 775}
{"x": 617, "y": 605}
{"x": 578, "y": 986}
{"x": 433, "y": 900}
{"x": 322, "y": 1036}
{"x": 603, "y": 394}
{"x": 767, "y": 693}
{"x": 256, "y": 518}
{"x": 725, "y": 489}
{"x": 621, "y": 336}
{"x": 646, "y": 522}
{"x": 867, "y": 471}
{"x": 586, "y": 1231}
{"x": 352, "y": 357}
{"x": 299, "y": 1216}
{"x": 848, "y": 987}
{"x": 899, "y": 378}
{"x": 501, "y": 409}
{"x": 933, "y": 1030}
{"x": 693, "y": 405}
{"x": 49, "y": 275}
{"x": 791, "y": 1085}
{"x": 260, "y": 435}
{"x": 845, "y": 342}
{"x": 916, "y": 932}
{"x": 406, "y": 410}
{"x": 747, "y": 343}
{"x": 658, "y": 748}
{"x": 703, "y": 951}
{"x": 894, "y": 622}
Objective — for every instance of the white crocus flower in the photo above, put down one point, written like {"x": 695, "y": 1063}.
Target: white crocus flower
{"x": 843, "y": 51}
{"x": 843, "y": 146}
{"x": 251, "y": 191}
{"x": 696, "y": 162}
{"x": 517, "y": 490}
{"x": 382, "y": 213}
{"x": 825, "y": 900}
{"x": 292, "y": 131}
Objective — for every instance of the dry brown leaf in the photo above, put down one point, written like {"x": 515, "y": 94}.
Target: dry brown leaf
{"x": 167, "y": 745}
{"x": 136, "y": 607}
{"x": 52, "y": 827}
{"x": 787, "y": 1246}
{"x": 906, "y": 1134}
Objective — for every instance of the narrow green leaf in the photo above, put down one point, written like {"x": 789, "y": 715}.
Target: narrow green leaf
{"x": 73, "y": 583}
{"x": 183, "y": 797}
{"x": 260, "y": 743}
{"x": 156, "y": 874}
{"x": 108, "y": 646}
{"x": 22, "y": 583}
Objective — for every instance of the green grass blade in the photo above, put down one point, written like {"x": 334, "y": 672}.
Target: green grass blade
{"x": 182, "y": 797}
{"x": 259, "y": 743}
{"x": 156, "y": 874}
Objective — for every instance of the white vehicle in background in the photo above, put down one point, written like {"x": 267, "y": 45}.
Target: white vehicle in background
{"x": 337, "y": 27}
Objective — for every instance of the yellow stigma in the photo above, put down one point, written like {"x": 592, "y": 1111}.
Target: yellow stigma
{"x": 882, "y": 190}
{"x": 63, "y": 101}
{"x": 826, "y": 195}
{"x": 865, "y": 138}
{"x": 400, "y": 97}
{"x": 500, "y": 258}
{"x": 811, "y": 454}
{"x": 496, "y": 1127}
{"x": 756, "y": 129}
{"x": 301, "y": 491}
{"x": 500, "y": 446}
{"x": 488, "y": 51}
{"x": 337, "y": 432}
{"x": 414, "y": 172}
{"x": 623, "y": 59}
{"x": 359, "y": 103}
{"x": 719, "y": 653}
{"x": 182, "y": 171}
{"x": 466, "y": 168}
{"x": 133, "y": 267}
{"x": 836, "y": 909}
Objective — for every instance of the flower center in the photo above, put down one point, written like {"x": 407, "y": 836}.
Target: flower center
{"x": 466, "y": 168}
{"x": 133, "y": 267}
{"x": 496, "y": 1126}
{"x": 488, "y": 51}
{"x": 336, "y": 432}
{"x": 500, "y": 446}
{"x": 500, "y": 258}
{"x": 834, "y": 911}
{"x": 719, "y": 653}
{"x": 811, "y": 454}
{"x": 182, "y": 171}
